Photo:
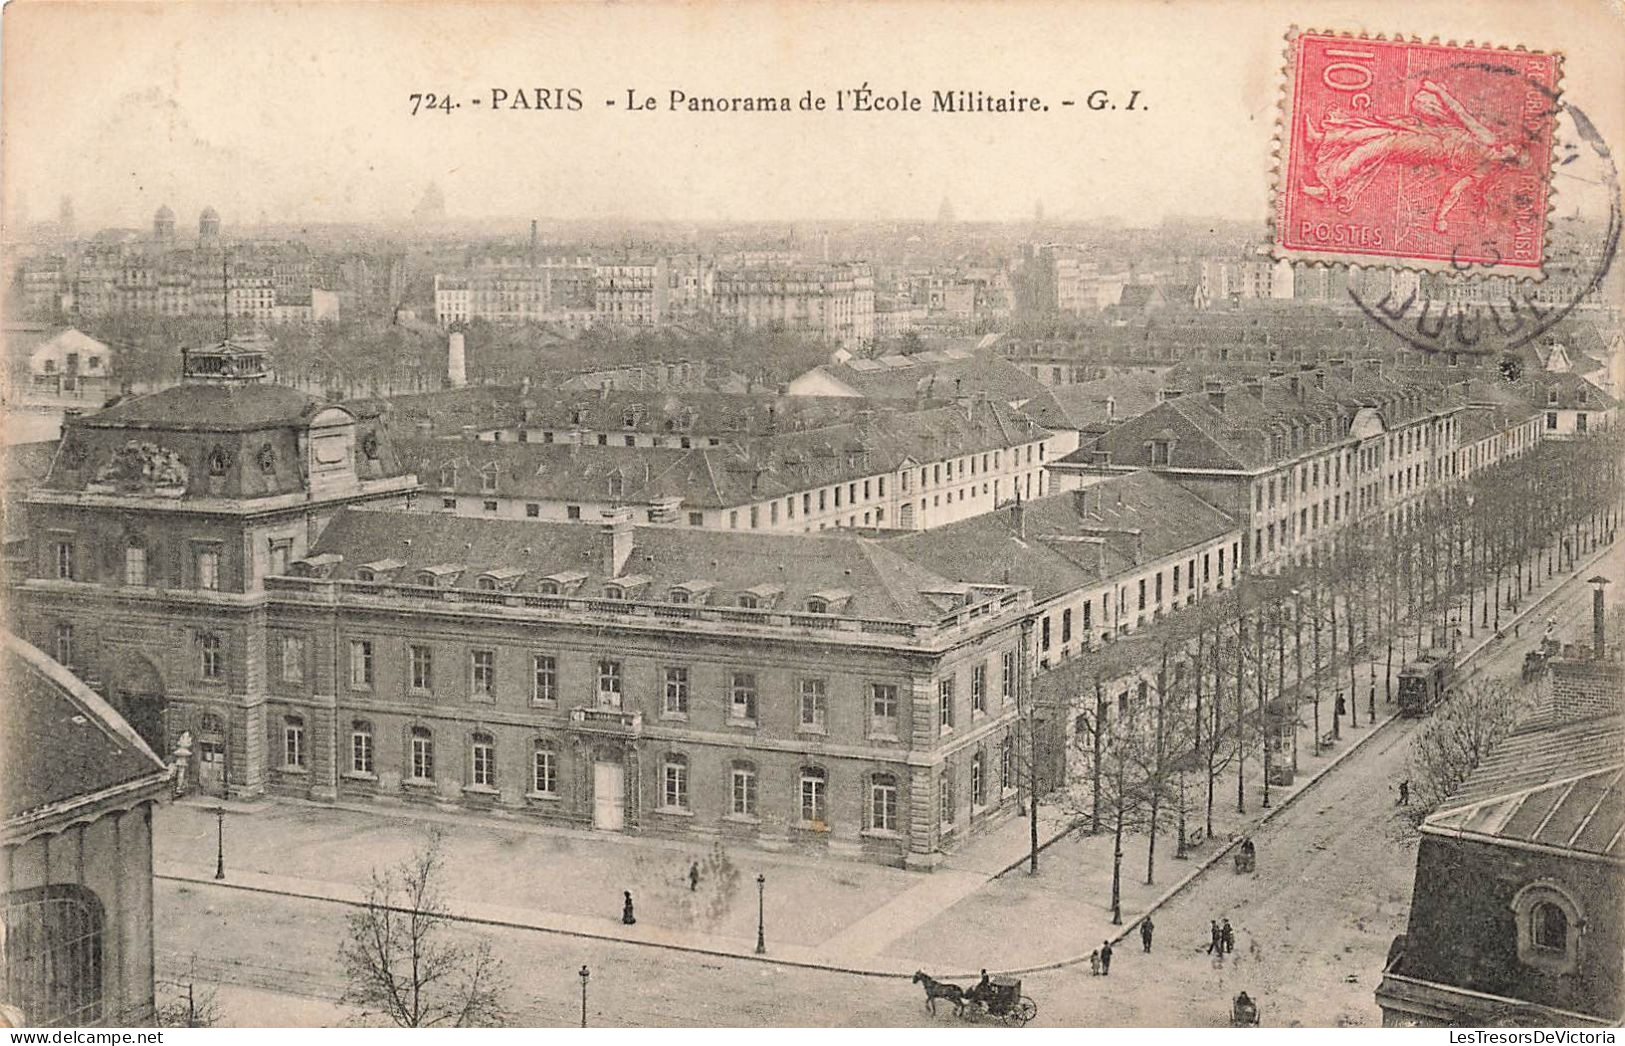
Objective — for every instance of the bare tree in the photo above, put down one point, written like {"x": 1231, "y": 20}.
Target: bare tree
{"x": 1458, "y": 737}
{"x": 402, "y": 962}
{"x": 187, "y": 1004}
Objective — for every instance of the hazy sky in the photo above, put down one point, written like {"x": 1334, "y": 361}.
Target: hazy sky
{"x": 300, "y": 110}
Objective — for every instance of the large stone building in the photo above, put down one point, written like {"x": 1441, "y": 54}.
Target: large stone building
{"x": 157, "y": 522}
{"x": 834, "y": 302}
{"x": 232, "y": 559}
{"x": 78, "y": 787}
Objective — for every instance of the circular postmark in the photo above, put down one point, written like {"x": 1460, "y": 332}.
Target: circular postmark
{"x": 1466, "y": 307}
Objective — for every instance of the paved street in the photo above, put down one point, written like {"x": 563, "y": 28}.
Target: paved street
{"x": 1343, "y": 847}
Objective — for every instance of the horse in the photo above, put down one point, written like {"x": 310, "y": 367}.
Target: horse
{"x": 935, "y": 990}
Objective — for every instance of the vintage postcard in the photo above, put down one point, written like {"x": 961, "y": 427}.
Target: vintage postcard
{"x": 923, "y": 515}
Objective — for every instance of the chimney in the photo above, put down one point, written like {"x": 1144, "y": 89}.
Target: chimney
{"x": 617, "y": 540}
{"x": 1598, "y": 616}
{"x": 1086, "y": 501}
{"x": 1168, "y": 393}
{"x": 533, "y": 241}
{"x": 1018, "y": 517}
{"x": 456, "y": 365}
{"x": 1297, "y": 387}
{"x": 1320, "y": 377}
{"x": 1215, "y": 398}
{"x": 1139, "y": 544}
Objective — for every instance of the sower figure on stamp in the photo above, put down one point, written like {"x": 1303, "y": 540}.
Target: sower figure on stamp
{"x": 1350, "y": 151}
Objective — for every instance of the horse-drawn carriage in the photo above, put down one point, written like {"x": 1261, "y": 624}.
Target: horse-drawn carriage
{"x": 1246, "y": 857}
{"x": 998, "y": 998}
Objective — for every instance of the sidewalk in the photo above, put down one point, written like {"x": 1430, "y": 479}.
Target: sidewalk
{"x": 833, "y": 914}
{"x": 1066, "y": 908}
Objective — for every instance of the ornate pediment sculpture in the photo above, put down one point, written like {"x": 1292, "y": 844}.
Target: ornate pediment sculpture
{"x": 145, "y": 468}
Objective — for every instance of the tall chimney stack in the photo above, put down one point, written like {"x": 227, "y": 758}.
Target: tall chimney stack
{"x": 1598, "y": 618}
{"x": 456, "y": 364}
{"x": 617, "y": 540}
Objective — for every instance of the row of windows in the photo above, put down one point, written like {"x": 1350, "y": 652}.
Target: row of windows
{"x": 609, "y": 684}
{"x": 205, "y": 563}
{"x": 1181, "y": 577}
{"x": 881, "y": 810}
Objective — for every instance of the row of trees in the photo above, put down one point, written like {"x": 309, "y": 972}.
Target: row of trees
{"x": 1160, "y": 718}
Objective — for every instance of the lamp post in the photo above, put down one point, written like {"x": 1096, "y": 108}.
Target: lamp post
{"x": 219, "y": 842}
{"x": 761, "y": 926}
{"x": 584, "y": 975}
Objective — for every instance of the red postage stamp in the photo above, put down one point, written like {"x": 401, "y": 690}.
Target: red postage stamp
{"x": 1418, "y": 155}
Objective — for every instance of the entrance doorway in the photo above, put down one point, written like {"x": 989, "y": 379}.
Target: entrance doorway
{"x": 608, "y": 795}
{"x": 211, "y": 756}
{"x": 140, "y": 699}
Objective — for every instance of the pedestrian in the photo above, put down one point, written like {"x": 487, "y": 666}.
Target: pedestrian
{"x": 1105, "y": 958}
{"x": 693, "y": 876}
{"x": 1227, "y": 936}
{"x": 1216, "y": 943}
{"x": 626, "y": 910}
{"x": 1094, "y": 963}
{"x": 1146, "y": 928}
{"x": 1405, "y": 792}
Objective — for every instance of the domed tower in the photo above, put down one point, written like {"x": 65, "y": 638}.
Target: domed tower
{"x": 163, "y": 225}
{"x": 208, "y": 225}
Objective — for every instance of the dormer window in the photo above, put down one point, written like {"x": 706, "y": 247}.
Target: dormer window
{"x": 448, "y": 476}
{"x": 1550, "y": 927}
{"x": 1162, "y": 451}
{"x": 817, "y": 605}
{"x": 1551, "y": 397}
{"x": 488, "y": 478}
{"x": 364, "y": 574}
{"x": 614, "y": 592}
{"x": 629, "y": 418}
{"x": 616, "y": 485}
{"x": 486, "y": 584}
{"x": 1580, "y": 394}
{"x": 426, "y": 579}
{"x": 748, "y": 601}
{"x": 678, "y": 595}
{"x": 548, "y": 588}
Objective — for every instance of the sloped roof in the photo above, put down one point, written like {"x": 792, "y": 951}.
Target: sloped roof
{"x": 743, "y": 469}
{"x": 59, "y": 741}
{"x": 1044, "y": 551}
{"x": 951, "y": 374}
{"x": 1554, "y": 785}
{"x": 884, "y": 585}
{"x": 209, "y": 408}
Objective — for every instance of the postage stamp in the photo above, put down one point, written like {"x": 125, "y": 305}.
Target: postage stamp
{"x": 1427, "y": 156}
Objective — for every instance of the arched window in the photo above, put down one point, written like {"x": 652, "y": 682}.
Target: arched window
{"x": 426, "y": 578}
{"x": 816, "y": 605}
{"x": 883, "y": 807}
{"x": 674, "y": 782}
{"x": 677, "y": 595}
{"x": 364, "y": 574}
{"x": 53, "y": 955}
{"x": 422, "y": 767}
{"x": 548, "y": 588}
{"x": 361, "y": 747}
{"x": 544, "y": 777}
{"x": 482, "y": 761}
{"x": 814, "y": 798}
{"x": 486, "y": 584}
{"x": 1550, "y": 927}
{"x": 742, "y": 790}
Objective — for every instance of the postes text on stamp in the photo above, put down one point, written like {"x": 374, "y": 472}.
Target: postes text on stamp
{"x": 1419, "y": 155}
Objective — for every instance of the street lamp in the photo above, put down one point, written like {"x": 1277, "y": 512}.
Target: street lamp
{"x": 584, "y": 976}
{"x": 219, "y": 842}
{"x": 761, "y": 927}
